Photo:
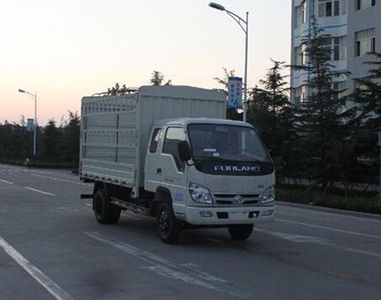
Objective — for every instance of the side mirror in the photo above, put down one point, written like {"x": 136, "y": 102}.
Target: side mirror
{"x": 184, "y": 150}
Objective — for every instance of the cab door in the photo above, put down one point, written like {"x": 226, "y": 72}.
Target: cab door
{"x": 173, "y": 169}
{"x": 152, "y": 166}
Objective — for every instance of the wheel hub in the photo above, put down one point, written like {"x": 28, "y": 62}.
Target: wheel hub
{"x": 163, "y": 222}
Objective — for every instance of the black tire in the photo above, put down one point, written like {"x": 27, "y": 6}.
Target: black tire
{"x": 105, "y": 212}
{"x": 240, "y": 232}
{"x": 168, "y": 226}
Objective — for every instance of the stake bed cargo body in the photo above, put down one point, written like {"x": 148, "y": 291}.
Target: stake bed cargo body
{"x": 170, "y": 153}
{"x": 115, "y": 130}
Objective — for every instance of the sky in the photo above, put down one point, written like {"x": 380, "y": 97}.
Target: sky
{"x": 64, "y": 50}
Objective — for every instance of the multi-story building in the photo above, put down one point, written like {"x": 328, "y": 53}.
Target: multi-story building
{"x": 355, "y": 30}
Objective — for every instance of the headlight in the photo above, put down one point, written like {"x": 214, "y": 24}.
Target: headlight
{"x": 200, "y": 194}
{"x": 268, "y": 196}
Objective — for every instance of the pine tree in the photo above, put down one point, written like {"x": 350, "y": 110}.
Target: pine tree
{"x": 320, "y": 118}
{"x": 70, "y": 139}
{"x": 367, "y": 118}
{"x": 50, "y": 142}
{"x": 157, "y": 79}
{"x": 270, "y": 111}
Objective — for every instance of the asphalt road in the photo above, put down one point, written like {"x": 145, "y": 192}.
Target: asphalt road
{"x": 52, "y": 247}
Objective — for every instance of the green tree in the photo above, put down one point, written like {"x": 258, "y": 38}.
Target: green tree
{"x": 270, "y": 111}
{"x": 224, "y": 81}
{"x": 50, "y": 143}
{"x": 70, "y": 139}
{"x": 321, "y": 117}
{"x": 157, "y": 79}
{"x": 366, "y": 113}
{"x": 117, "y": 90}
{"x": 16, "y": 142}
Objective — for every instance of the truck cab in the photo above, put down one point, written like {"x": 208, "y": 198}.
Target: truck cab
{"x": 212, "y": 172}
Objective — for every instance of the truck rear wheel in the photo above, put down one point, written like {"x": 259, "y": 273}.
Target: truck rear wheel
{"x": 105, "y": 212}
{"x": 240, "y": 232}
{"x": 168, "y": 226}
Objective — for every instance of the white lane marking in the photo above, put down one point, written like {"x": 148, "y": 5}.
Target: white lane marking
{"x": 330, "y": 228}
{"x": 6, "y": 181}
{"x": 358, "y": 251}
{"x": 88, "y": 204}
{"x": 39, "y": 191}
{"x": 41, "y": 278}
{"x": 59, "y": 179}
{"x": 187, "y": 273}
{"x": 297, "y": 238}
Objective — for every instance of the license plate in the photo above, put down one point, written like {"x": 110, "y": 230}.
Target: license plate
{"x": 239, "y": 215}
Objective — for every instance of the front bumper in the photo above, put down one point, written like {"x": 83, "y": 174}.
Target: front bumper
{"x": 228, "y": 215}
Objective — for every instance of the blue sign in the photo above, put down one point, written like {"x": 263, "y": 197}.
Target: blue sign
{"x": 30, "y": 124}
{"x": 379, "y": 138}
{"x": 235, "y": 92}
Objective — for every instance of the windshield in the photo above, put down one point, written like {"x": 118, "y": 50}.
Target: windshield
{"x": 226, "y": 142}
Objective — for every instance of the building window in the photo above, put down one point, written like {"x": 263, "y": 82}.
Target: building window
{"x": 328, "y": 9}
{"x": 303, "y": 54}
{"x": 296, "y": 55}
{"x": 339, "y": 48}
{"x": 331, "y": 8}
{"x": 365, "y": 42}
{"x": 297, "y": 95}
{"x": 362, "y": 4}
{"x": 373, "y": 45}
{"x": 300, "y": 14}
{"x": 304, "y": 94}
{"x": 304, "y": 12}
{"x": 300, "y": 55}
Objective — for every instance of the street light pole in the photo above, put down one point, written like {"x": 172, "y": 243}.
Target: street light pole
{"x": 246, "y": 58}
{"x": 34, "y": 97}
{"x": 245, "y": 29}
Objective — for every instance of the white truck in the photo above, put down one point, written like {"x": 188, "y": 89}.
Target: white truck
{"x": 168, "y": 152}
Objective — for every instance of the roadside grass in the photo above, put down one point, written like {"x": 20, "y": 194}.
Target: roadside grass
{"x": 357, "y": 201}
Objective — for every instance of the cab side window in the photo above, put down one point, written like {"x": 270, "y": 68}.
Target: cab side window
{"x": 173, "y": 137}
{"x": 154, "y": 140}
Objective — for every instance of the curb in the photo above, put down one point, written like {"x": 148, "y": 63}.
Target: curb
{"x": 330, "y": 210}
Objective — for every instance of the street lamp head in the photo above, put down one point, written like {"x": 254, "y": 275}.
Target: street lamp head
{"x": 21, "y": 91}
{"x": 216, "y": 6}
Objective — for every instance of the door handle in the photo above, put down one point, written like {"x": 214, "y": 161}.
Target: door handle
{"x": 158, "y": 171}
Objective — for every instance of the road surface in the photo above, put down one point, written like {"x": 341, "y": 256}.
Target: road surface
{"x": 51, "y": 247}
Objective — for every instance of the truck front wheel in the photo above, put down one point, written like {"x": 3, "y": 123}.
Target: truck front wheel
{"x": 105, "y": 212}
{"x": 168, "y": 226}
{"x": 240, "y": 232}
